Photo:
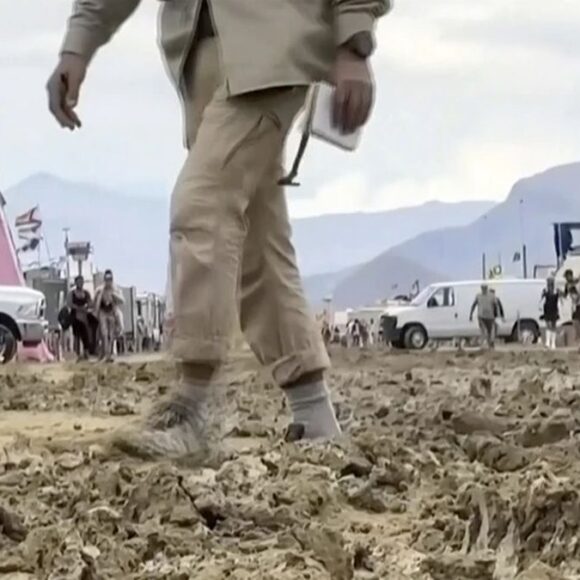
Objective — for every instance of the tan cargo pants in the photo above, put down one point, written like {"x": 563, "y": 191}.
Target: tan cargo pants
{"x": 231, "y": 254}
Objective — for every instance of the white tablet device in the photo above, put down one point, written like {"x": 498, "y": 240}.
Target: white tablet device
{"x": 319, "y": 118}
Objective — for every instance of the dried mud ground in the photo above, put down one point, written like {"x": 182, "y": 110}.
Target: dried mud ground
{"x": 455, "y": 466}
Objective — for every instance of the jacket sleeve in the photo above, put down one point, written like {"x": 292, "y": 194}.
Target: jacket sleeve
{"x": 355, "y": 16}
{"x": 93, "y": 23}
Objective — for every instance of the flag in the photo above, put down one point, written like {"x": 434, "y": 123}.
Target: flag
{"x": 517, "y": 257}
{"x": 28, "y": 227}
{"x": 30, "y": 220}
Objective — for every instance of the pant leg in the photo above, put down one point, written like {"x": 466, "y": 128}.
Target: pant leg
{"x": 275, "y": 316}
{"x": 237, "y": 143}
{"x": 483, "y": 331}
{"x": 492, "y": 332}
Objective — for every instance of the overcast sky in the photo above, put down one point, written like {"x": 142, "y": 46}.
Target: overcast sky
{"x": 472, "y": 95}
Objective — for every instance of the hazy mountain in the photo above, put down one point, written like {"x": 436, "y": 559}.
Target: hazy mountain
{"x": 129, "y": 232}
{"x": 384, "y": 277}
{"x": 527, "y": 215}
{"x": 331, "y": 243}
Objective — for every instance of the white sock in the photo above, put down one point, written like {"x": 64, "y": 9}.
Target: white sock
{"x": 311, "y": 407}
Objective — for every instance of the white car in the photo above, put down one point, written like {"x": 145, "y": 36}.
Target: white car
{"x": 21, "y": 319}
{"x": 442, "y": 312}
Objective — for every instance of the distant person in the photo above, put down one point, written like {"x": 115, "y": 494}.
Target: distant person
{"x": 571, "y": 293}
{"x": 355, "y": 333}
{"x": 336, "y": 335}
{"x": 79, "y": 302}
{"x": 326, "y": 333}
{"x": 108, "y": 300}
{"x": 364, "y": 334}
{"x": 486, "y": 304}
{"x": 550, "y": 300}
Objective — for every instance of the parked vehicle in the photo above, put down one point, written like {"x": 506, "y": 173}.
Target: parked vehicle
{"x": 442, "y": 311}
{"x": 21, "y": 319}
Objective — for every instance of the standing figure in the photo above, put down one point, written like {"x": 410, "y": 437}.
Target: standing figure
{"x": 79, "y": 302}
{"x": 487, "y": 308}
{"x": 108, "y": 299}
{"x": 550, "y": 300}
{"x": 242, "y": 68}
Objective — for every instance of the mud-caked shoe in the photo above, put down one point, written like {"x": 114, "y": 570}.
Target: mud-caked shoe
{"x": 177, "y": 429}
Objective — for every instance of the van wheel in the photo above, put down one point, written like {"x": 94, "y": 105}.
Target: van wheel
{"x": 8, "y": 345}
{"x": 416, "y": 337}
{"x": 527, "y": 333}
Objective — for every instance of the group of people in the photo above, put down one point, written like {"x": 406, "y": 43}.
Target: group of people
{"x": 490, "y": 309}
{"x": 96, "y": 323}
{"x": 552, "y": 299}
{"x": 359, "y": 334}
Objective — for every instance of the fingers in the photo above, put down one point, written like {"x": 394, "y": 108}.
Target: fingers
{"x": 352, "y": 105}
{"x": 61, "y": 100}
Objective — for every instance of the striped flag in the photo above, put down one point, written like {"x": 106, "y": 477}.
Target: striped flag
{"x": 29, "y": 221}
{"x": 28, "y": 227}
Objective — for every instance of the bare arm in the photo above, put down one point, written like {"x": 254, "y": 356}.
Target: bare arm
{"x": 93, "y": 23}
{"x": 473, "y": 307}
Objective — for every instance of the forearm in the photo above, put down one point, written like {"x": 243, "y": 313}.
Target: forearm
{"x": 93, "y": 23}
{"x": 354, "y": 17}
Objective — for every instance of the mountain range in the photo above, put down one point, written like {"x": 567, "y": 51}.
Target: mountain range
{"x": 526, "y": 217}
{"x": 129, "y": 232}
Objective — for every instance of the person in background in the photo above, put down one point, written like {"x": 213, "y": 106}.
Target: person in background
{"x": 550, "y": 302}
{"x": 79, "y": 302}
{"x": 364, "y": 334}
{"x": 326, "y": 333}
{"x": 572, "y": 294}
{"x": 355, "y": 332}
{"x": 108, "y": 299}
{"x": 486, "y": 304}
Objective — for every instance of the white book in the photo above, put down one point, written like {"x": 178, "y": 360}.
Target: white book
{"x": 318, "y": 119}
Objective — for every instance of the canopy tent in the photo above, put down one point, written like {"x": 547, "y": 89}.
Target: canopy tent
{"x": 11, "y": 275}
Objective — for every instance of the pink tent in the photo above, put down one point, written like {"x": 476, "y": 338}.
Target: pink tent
{"x": 11, "y": 275}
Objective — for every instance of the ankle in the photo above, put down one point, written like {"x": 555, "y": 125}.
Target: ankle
{"x": 309, "y": 378}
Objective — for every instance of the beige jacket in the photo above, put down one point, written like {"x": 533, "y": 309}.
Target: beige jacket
{"x": 264, "y": 43}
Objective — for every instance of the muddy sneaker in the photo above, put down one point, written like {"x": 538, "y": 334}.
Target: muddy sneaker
{"x": 176, "y": 429}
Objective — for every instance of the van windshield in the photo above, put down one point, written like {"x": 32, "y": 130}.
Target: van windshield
{"x": 422, "y": 296}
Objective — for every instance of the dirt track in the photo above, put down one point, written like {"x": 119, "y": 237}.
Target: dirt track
{"x": 457, "y": 466}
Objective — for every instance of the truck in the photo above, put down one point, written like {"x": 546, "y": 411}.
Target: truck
{"x": 442, "y": 312}
{"x": 22, "y": 319}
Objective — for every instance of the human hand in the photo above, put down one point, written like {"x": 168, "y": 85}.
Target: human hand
{"x": 64, "y": 88}
{"x": 354, "y": 92}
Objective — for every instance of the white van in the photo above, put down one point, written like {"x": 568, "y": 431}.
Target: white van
{"x": 21, "y": 319}
{"x": 441, "y": 312}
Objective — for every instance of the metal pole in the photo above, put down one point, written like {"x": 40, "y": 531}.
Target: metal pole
{"x": 525, "y": 261}
{"x": 67, "y": 265}
{"x": 483, "y": 267}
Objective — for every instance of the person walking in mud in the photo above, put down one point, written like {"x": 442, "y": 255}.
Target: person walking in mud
{"x": 486, "y": 304}
{"x": 79, "y": 303}
{"x": 550, "y": 302}
{"x": 108, "y": 299}
{"x": 242, "y": 70}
